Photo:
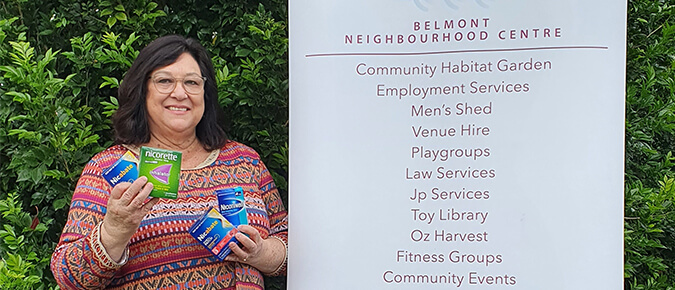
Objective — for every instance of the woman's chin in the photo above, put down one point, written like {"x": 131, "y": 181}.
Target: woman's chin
{"x": 177, "y": 129}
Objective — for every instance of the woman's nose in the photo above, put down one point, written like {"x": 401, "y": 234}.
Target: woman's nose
{"x": 179, "y": 92}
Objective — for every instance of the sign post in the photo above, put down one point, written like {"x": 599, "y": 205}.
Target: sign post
{"x": 468, "y": 144}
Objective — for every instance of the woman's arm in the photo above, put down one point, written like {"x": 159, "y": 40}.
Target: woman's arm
{"x": 269, "y": 255}
{"x": 80, "y": 260}
{"x": 101, "y": 222}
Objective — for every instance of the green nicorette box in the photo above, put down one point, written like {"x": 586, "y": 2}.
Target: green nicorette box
{"x": 162, "y": 168}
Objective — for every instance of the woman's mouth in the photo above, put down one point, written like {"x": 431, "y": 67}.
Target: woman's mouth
{"x": 177, "y": 109}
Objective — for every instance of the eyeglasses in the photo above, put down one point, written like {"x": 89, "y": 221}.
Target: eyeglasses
{"x": 165, "y": 83}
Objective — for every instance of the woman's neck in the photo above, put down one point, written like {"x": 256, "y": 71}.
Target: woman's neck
{"x": 185, "y": 145}
{"x": 193, "y": 153}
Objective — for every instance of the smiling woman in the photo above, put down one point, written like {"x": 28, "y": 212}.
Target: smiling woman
{"x": 168, "y": 59}
{"x": 173, "y": 111}
{"x": 119, "y": 238}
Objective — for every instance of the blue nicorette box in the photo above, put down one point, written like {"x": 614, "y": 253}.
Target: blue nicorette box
{"x": 124, "y": 169}
{"x": 232, "y": 206}
{"x": 214, "y": 232}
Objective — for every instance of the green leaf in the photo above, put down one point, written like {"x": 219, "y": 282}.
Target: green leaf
{"x": 23, "y": 175}
{"x": 60, "y": 203}
{"x": 38, "y": 173}
{"x": 56, "y": 174}
{"x": 106, "y": 12}
{"x": 242, "y": 52}
{"x": 121, "y": 16}
{"x": 151, "y": 6}
{"x": 158, "y": 13}
{"x": 19, "y": 97}
{"x": 32, "y": 256}
{"x": 41, "y": 227}
{"x": 110, "y": 81}
{"x": 20, "y": 118}
{"x": 111, "y": 21}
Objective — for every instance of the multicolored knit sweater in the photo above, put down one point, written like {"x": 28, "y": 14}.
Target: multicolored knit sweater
{"x": 162, "y": 254}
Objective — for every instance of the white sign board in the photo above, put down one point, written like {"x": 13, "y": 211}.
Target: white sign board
{"x": 442, "y": 144}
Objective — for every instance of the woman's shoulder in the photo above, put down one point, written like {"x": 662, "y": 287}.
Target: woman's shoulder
{"x": 110, "y": 155}
{"x": 233, "y": 150}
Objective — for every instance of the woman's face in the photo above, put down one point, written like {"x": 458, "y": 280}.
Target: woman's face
{"x": 175, "y": 112}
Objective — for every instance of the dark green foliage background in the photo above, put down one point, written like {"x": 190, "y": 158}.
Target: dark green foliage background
{"x": 61, "y": 62}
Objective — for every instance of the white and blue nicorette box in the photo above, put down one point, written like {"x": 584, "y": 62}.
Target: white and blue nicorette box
{"x": 232, "y": 205}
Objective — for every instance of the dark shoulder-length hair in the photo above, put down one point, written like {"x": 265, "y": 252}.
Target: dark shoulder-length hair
{"x": 130, "y": 122}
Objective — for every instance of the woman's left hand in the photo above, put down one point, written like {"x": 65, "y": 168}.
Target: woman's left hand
{"x": 251, "y": 246}
{"x": 260, "y": 253}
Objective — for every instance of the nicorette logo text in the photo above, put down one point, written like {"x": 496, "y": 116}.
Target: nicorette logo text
{"x": 233, "y": 207}
{"x": 161, "y": 155}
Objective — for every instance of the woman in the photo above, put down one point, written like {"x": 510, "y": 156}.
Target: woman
{"x": 119, "y": 238}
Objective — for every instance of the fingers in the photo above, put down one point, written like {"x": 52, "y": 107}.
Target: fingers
{"x": 119, "y": 189}
{"x": 245, "y": 241}
{"x": 249, "y": 230}
{"x": 128, "y": 204}
{"x": 149, "y": 204}
{"x": 251, "y": 244}
{"x": 140, "y": 199}
{"x": 252, "y": 240}
{"x": 239, "y": 253}
{"x": 134, "y": 190}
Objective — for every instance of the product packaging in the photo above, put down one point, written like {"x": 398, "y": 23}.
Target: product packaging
{"x": 232, "y": 206}
{"x": 214, "y": 232}
{"x": 162, "y": 168}
{"x": 124, "y": 169}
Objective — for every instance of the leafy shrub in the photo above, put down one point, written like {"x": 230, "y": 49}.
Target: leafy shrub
{"x": 61, "y": 63}
{"x": 48, "y": 133}
{"x": 255, "y": 90}
{"x": 650, "y": 139}
{"x": 650, "y": 234}
{"x": 25, "y": 256}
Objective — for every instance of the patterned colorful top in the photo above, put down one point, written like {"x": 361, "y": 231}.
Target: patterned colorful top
{"x": 162, "y": 254}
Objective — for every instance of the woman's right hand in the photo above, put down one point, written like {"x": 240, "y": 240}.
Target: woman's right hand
{"x": 127, "y": 206}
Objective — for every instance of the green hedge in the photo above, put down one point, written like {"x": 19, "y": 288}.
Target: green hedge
{"x": 60, "y": 65}
{"x": 650, "y": 139}
{"x": 61, "y": 62}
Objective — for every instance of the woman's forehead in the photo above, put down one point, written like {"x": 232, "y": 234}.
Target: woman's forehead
{"x": 185, "y": 64}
